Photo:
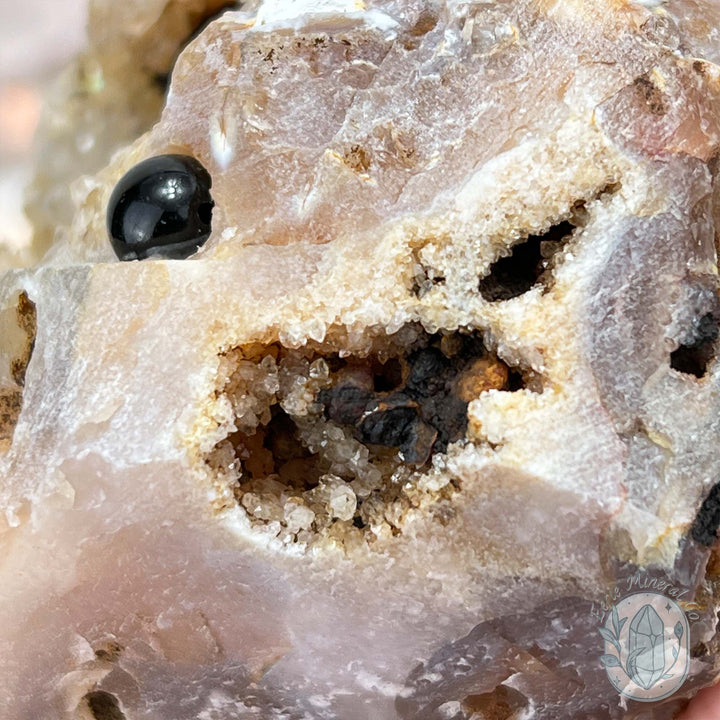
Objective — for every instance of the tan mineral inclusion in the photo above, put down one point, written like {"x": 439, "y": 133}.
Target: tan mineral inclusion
{"x": 442, "y": 378}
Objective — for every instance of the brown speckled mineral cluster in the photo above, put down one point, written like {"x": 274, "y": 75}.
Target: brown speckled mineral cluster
{"x": 440, "y": 388}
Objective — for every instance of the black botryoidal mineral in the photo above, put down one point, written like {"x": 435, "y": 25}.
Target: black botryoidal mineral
{"x": 396, "y": 422}
{"x": 424, "y": 414}
{"x": 704, "y": 528}
{"x": 431, "y": 383}
{"x": 346, "y": 402}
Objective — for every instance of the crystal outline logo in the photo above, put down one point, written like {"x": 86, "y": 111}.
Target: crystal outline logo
{"x": 647, "y": 654}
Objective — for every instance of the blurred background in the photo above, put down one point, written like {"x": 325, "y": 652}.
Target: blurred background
{"x": 37, "y": 37}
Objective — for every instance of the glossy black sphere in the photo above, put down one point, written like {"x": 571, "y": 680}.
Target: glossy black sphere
{"x": 161, "y": 208}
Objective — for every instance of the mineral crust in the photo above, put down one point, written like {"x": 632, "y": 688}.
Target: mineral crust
{"x": 441, "y": 383}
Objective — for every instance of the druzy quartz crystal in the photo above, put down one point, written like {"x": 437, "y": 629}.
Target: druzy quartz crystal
{"x": 439, "y": 388}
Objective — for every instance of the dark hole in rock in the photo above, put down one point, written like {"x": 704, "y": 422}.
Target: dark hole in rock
{"x": 324, "y": 441}
{"x": 705, "y": 526}
{"x": 388, "y": 375}
{"x": 294, "y": 463}
{"x": 511, "y": 276}
{"x": 694, "y": 357}
{"x": 515, "y": 380}
{"x": 276, "y": 450}
{"x": 335, "y": 362}
{"x": 104, "y": 706}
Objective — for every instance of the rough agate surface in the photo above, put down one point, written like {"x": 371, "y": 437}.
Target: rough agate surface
{"x": 442, "y": 377}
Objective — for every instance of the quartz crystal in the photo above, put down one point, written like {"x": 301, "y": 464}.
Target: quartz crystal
{"x": 439, "y": 385}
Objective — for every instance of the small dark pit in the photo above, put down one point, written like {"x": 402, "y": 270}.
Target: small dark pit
{"x": 694, "y": 357}
{"x": 335, "y": 362}
{"x": 387, "y": 376}
{"x": 516, "y": 381}
{"x": 281, "y": 438}
{"x": 276, "y": 449}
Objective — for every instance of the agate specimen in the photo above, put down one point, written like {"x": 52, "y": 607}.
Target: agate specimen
{"x": 442, "y": 377}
